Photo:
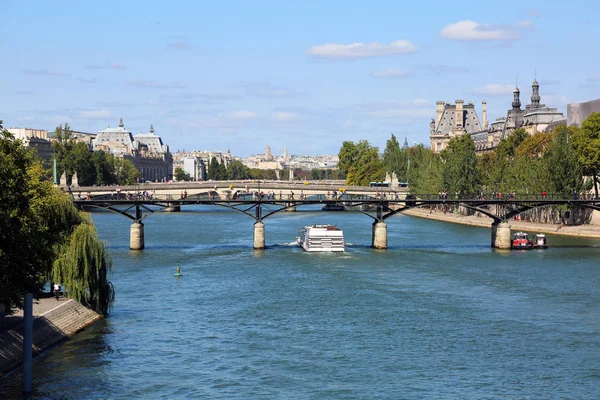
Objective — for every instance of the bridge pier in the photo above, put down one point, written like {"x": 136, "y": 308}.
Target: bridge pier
{"x": 501, "y": 235}
{"x": 379, "y": 235}
{"x": 259, "y": 235}
{"x": 136, "y": 236}
{"x": 291, "y": 207}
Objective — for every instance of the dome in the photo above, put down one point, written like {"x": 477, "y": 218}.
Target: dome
{"x": 516, "y": 90}
{"x": 535, "y": 83}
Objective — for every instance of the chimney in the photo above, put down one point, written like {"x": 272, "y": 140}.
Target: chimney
{"x": 439, "y": 110}
{"x": 484, "y": 114}
{"x": 459, "y": 117}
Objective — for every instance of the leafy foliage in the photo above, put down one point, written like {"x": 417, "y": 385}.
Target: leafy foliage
{"x": 37, "y": 226}
{"x": 182, "y": 175}
{"x": 360, "y": 163}
{"x": 237, "y": 170}
{"x": 396, "y": 159}
{"x": 460, "y": 166}
{"x": 216, "y": 170}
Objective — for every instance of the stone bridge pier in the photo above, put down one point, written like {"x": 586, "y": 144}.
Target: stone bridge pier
{"x": 136, "y": 236}
{"x": 501, "y": 235}
{"x": 379, "y": 235}
{"x": 259, "y": 235}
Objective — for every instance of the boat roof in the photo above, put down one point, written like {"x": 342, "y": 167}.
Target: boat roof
{"x": 328, "y": 227}
{"x": 521, "y": 234}
{"x": 540, "y": 235}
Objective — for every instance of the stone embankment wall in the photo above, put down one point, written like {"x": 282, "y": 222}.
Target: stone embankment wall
{"x": 66, "y": 319}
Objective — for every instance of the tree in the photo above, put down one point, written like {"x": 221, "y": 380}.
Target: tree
{"x": 216, "y": 170}
{"x": 80, "y": 161}
{"x": 360, "y": 163}
{"x": 124, "y": 171}
{"x": 237, "y": 170}
{"x": 182, "y": 175}
{"x": 561, "y": 160}
{"x": 62, "y": 146}
{"x": 460, "y": 166}
{"x": 586, "y": 143}
{"x": 37, "y": 226}
{"x": 395, "y": 159}
{"x": 425, "y": 174}
{"x": 102, "y": 168}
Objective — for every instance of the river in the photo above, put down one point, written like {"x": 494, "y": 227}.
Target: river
{"x": 438, "y": 315}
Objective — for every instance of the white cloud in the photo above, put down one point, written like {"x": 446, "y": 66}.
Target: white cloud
{"x": 525, "y": 24}
{"x": 242, "y": 114}
{"x": 420, "y": 102}
{"x": 351, "y": 51}
{"x": 471, "y": 30}
{"x": 392, "y": 73}
{"x": 285, "y": 116}
{"x": 494, "y": 89}
{"x": 101, "y": 113}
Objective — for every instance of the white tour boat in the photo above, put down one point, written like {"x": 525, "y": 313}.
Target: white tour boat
{"x": 324, "y": 238}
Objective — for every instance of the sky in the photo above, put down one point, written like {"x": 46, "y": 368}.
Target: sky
{"x": 308, "y": 75}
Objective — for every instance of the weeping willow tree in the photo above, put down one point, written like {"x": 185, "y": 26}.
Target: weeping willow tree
{"x": 44, "y": 237}
{"x": 82, "y": 267}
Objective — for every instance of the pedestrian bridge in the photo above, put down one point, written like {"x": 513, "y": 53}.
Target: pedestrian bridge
{"x": 377, "y": 205}
{"x": 229, "y": 189}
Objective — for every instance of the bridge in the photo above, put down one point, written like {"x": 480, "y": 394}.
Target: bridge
{"x": 378, "y": 205}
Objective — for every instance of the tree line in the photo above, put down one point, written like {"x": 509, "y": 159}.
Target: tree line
{"x": 43, "y": 237}
{"x": 564, "y": 161}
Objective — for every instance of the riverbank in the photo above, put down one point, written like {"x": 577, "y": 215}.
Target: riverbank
{"x": 54, "y": 321}
{"x": 592, "y": 231}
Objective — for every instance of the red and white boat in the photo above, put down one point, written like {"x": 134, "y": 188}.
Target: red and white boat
{"x": 521, "y": 241}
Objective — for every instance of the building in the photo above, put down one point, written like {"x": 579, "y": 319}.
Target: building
{"x": 36, "y": 139}
{"x": 202, "y": 161}
{"x": 147, "y": 151}
{"x": 454, "y": 120}
{"x": 536, "y": 117}
{"x": 578, "y": 112}
{"x": 195, "y": 167}
{"x": 84, "y": 137}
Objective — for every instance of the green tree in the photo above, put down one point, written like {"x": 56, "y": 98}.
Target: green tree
{"x": 586, "y": 143}
{"x": 37, "y": 226}
{"x": 182, "y": 175}
{"x": 360, "y": 163}
{"x": 561, "y": 160}
{"x": 80, "y": 161}
{"x": 237, "y": 170}
{"x": 425, "y": 175}
{"x": 216, "y": 170}
{"x": 62, "y": 146}
{"x": 124, "y": 171}
{"x": 395, "y": 159}
{"x": 460, "y": 166}
{"x": 102, "y": 168}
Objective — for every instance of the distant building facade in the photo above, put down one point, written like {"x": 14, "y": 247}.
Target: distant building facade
{"x": 456, "y": 120}
{"x": 147, "y": 151}
{"x": 578, "y": 112}
{"x": 36, "y": 139}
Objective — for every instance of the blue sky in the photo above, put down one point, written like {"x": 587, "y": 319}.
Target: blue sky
{"x": 308, "y": 75}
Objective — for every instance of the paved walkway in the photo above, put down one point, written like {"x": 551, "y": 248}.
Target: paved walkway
{"x": 40, "y": 307}
{"x": 592, "y": 231}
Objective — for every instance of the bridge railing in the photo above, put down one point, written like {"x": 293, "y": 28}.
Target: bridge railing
{"x": 333, "y": 196}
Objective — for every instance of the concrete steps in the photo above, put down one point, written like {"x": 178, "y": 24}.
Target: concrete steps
{"x": 66, "y": 319}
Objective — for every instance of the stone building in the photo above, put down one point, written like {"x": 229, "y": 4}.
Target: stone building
{"x": 147, "y": 151}
{"x": 536, "y": 117}
{"x": 36, "y": 139}
{"x": 454, "y": 120}
{"x": 578, "y": 112}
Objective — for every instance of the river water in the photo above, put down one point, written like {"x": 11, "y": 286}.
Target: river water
{"x": 438, "y": 315}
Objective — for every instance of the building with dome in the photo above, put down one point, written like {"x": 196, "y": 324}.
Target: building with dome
{"x": 147, "y": 151}
{"x": 457, "y": 119}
